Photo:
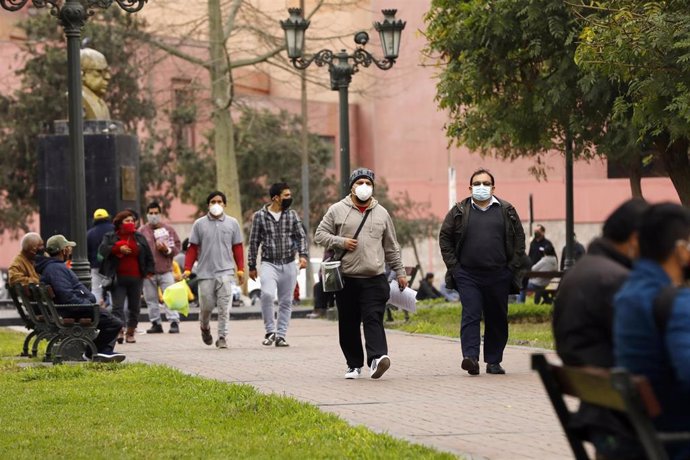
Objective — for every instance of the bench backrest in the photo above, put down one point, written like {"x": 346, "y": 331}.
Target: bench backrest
{"x": 614, "y": 389}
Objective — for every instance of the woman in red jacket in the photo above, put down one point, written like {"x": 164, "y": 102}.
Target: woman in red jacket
{"x": 126, "y": 257}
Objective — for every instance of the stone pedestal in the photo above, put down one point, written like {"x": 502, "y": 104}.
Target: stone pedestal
{"x": 111, "y": 168}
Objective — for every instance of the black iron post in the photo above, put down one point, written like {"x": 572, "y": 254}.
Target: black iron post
{"x": 72, "y": 15}
{"x": 341, "y": 76}
{"x": 569, "y": 207}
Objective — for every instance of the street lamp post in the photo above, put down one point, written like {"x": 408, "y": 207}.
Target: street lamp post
{"x": 72, "y": 15}
{"x": 342, "y": 66}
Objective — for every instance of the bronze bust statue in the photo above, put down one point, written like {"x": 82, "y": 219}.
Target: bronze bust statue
{"x": 94, "y": 84}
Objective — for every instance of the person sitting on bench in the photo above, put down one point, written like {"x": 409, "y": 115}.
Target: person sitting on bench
{"x": 69, "y": 290}
{"x": 583, "y": 321}
{"x": 427, "y": 289}
{"x": 651, "y": 322}
{"x": 548, "y": 263}
{"x": 22, "y": 268}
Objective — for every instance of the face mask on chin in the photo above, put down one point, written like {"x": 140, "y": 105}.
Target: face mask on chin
{"x": 363, "y": 192}
{"x": 481, "y": 192}
{"x": 216, "y": 210}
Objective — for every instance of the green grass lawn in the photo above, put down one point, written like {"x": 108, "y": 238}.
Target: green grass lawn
{"x": 530, "y": 324}
{"x": 139, "y": 411}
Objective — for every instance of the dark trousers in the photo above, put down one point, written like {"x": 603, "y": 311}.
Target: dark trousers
{"x": 484, "y": 292}
{"x": 108, "y": 328}
{"x": 129, "y": 288}
{"x": 362, "y": 301}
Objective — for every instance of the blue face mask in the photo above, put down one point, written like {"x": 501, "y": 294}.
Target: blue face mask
{"x": 481, "y": 192}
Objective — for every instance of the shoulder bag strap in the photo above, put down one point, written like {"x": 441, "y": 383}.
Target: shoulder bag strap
{"x": 361, "y": 224}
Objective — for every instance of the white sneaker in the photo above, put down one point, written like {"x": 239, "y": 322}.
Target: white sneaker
{"x": 353, "y": 372}
{"x": 380, "y": 366}
{"x": 108, "y": 358}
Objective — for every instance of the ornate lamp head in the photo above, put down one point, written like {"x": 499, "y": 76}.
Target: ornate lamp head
{"x": 294, "y": 28}
{"x": 390, "y": 30}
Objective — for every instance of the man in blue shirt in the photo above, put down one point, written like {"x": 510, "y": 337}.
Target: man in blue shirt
{"x": 661, "y": 353}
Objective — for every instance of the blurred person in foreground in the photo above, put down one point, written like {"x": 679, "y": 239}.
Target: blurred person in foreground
{"x": 583, "y": 320}
{"x": 651, "y": 323}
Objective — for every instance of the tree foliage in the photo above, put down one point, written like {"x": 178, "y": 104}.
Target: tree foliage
{"x": 644, "y": 48}
{"x": 268, "y": 150}
{"x": 520, "y": 77}
{"x": 41, "y": 99}
{"x": 508, "y": 77}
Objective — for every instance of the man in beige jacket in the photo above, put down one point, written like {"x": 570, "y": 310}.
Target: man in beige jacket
{"x": 363, "y": 297}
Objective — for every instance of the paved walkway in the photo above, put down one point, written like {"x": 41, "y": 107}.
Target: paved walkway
{"x": 424, "y": 397}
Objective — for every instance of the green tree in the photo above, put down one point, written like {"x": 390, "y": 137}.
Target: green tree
{"x": 644, "y": 49}
{"x": 268, "y": 149}
{"x": 41, "y": 99}
{"x": 508, "y": 77}
{"x": 233, "y": 35}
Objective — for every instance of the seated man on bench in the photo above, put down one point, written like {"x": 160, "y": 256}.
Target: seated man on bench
{"x": 651, "y": 322}
{"x": 69, "y": 290}
{"x": 22, "y": 269}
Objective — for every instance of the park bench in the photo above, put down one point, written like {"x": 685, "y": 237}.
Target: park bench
{"x": 32, "y": 316}
{"x": 552, "y": 288}
{"x": 614, "y": 389}
{"x": 76, "y": 325}
{"x": 411, "y": 273}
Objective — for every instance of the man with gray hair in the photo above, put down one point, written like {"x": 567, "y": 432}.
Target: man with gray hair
{"x": 22, "y": 269}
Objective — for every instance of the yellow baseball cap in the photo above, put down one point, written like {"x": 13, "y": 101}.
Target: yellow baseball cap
{"x": 100, "y": 214}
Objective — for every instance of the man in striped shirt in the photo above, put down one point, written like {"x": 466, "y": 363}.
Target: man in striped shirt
{"x": 278, "y": 230}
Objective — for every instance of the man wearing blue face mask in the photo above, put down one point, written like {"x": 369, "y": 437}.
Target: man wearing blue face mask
{"x": 482, "y": 243}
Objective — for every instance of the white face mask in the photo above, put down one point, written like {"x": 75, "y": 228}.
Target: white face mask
{"x": 153, "y": 219}
{"x": 364, "y": 192}
{"x": 481, "y": 192}
{"x": 215, "y": 209}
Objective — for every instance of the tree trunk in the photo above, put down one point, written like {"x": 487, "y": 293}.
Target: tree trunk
{"x": 223, "y": 128}
{"x": 635, "y": 173}
{"x": 675, "y": 158}
{"x": 416, "y": 256}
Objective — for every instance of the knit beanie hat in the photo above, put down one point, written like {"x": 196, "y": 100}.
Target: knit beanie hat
{"x": 359, "y": 173}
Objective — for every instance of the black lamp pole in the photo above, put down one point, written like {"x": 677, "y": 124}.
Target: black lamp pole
{"x": 341, "y": 67}
{"x": 569, "y": 205}
{"x": 72, "y": 15}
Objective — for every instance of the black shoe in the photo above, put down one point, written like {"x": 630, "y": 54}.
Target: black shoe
{"x": 174, "y": 328}
{"x": 155, "y": 328}
{"x": 471, "y": 365}
{"x": 206, "y": 336}
{"x": 280, "y": 342}
{"x": 269, "y": 339}
{"x": 495, "y": 368}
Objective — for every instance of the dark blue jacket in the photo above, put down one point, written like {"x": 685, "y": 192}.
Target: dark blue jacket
{"x": 94, "y": 237}
{"x": 66, "y": 286}
{"x": 642, "y": 349}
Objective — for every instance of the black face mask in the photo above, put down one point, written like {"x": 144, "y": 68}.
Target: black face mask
{"x": 285, "y": 204}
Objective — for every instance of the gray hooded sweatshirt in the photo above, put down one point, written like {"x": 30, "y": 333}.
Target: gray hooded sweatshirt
{"x": 376, "y": 243}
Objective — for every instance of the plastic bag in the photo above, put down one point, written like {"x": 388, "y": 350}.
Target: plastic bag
{"x": 332, "y": 276}
{"x": 175, "y": 297}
